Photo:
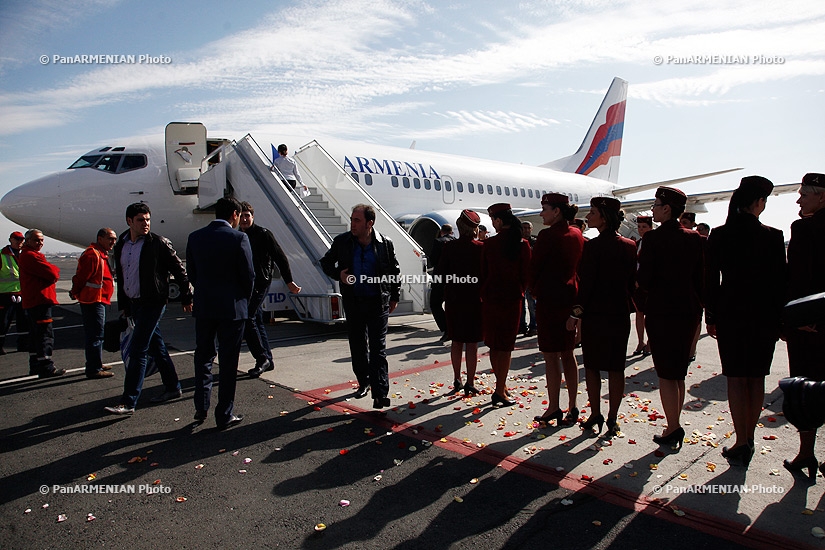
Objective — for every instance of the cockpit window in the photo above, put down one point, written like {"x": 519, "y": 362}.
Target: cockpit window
{"x": 84, "y": 162}
{"x": 114, "y": 164}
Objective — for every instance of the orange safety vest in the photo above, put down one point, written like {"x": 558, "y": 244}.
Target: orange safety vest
{"x": 97, "y": 288}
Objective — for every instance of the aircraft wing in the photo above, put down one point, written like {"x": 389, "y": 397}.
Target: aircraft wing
{"x": 623, "y": 192}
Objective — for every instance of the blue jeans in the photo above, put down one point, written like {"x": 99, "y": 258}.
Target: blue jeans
{"x": 94, "y": 317}
{"x": 367, "y": 320}
{"x": 146, "y": 341}
{"x": 257, "y": 340}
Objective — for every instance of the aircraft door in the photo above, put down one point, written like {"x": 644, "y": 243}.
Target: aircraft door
{"x": 448, "y": 190}
{"x": 185, "y": 149}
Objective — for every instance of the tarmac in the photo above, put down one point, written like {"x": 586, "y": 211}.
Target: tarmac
{"x": 313, "y": 467}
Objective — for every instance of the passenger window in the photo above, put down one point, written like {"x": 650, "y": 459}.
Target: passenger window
{"x": 489, "y": 189}
{"x": 417, "y": 183}
{"x": 405, "y": 181}
{"x": 470, "y": 188}
{"x": 522, "y": 191}
{"x": 459, "y": 187}
{"x": 394, "y": 181}
{"x": 498, "y": 190}
{"x": 355, "y": 177}
{"x": 437, "y": 185}
{"x": 507, "y": 191}
{"x": 368, "y": 179}
{"x": 427, "y": 185}
{"x": 480, "y": 189}
{"x": 530, "y": 193}
{"x": 448, "y": 186}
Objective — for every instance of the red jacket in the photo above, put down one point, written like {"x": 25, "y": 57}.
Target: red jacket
{"x": 37, "y": 278}
{"x": 93, "y": 282}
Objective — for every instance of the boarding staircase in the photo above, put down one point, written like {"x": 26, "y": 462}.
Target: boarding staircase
{"x": 305, "y": 226}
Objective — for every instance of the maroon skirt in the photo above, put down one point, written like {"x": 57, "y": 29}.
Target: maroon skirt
{"x": 464, "y": 321}
{"x": 670, "y": 339}
{"x": 552, "y": 326}
{"x": 501, "y": 321}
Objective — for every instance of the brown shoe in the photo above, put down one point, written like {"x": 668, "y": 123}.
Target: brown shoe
{"x": 106, "y": 367}
{"x": 100, "y": 374}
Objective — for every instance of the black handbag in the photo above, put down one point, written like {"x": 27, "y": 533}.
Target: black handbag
{"x": 111, "y": 334}
{"x": 805, "y": 311}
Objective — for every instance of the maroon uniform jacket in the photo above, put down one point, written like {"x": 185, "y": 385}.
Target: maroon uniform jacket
{"x": 556, "y": 256}
{"x": 607, "y": 275}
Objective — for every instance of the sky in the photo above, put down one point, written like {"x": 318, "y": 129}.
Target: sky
{"x": 712, "y": 84}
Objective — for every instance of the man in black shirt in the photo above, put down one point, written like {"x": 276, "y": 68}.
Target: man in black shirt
{"x": 265, "y": 253}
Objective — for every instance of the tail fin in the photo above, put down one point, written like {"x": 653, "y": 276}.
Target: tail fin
{"x": 599, "y": 154}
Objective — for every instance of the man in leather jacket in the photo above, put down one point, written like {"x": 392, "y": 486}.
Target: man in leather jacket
{"x": 143, "y": 263}
{"x": 364, "y": 262}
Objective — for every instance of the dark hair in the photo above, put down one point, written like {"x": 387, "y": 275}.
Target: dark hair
{"x": 225, "y": 207}
{"x": 613, "y": 218}
{"x": 104, "y": 232}
{"x": 137, "y": 208}
{"x": 511, "y": 232}
{"x": 246, "y": 207}
{"x": 742, "y": 199}
{"x": 282, "y": 148}
{"x": 369, "y": 211}
{"x": 568, "y": 211}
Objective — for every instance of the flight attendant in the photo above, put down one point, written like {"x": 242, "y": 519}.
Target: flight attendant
{"x": 607, "y": 278}
{"x": 806, "y": 276}
{"x": 671, "y": 268}
{"x": 460, "y": 270}
{"x": 556, "y": 256}
{"x": 745, "y": 259}
{"x": 643, "y": 225}
{"x": 504, "y": 265}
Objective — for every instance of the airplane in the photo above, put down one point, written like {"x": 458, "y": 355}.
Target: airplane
{"x": 421, "y": 190}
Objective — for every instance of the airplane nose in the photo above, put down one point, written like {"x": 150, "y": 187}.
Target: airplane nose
{"x": 31, "y": 203}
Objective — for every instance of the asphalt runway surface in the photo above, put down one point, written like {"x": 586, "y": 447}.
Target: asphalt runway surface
{"x": 73, "y": 476}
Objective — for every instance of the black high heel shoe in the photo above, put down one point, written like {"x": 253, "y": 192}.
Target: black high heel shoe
{"x": 571, "y": 417}
{"x": 674, "y": 438}
{"x": 380, "y": 402}
{"x": 595, "y": 419}
{"x": 557, "y": 415}
{"x": 469, "y": 390}
{"x": 503, "y": 401}
{"x": 457, "y": 387}
{"x": 612, "y": 428}
{"x": 796, "y": 467}
{"x": 741, "y": 454}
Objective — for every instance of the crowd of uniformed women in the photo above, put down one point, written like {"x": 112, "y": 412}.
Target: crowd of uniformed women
{"x": 738, "y": 276}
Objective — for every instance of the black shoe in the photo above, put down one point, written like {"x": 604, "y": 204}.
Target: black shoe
{"x": 674, "y": 438}
{"x": 234, "y": 419}
{"x": 362, "y": 391}
{"x": 741, "y": 455}
{"x": 594, "y": 420}
{"x": 557, "y": 416}
{"x": 200, "y": 416}
{"x": 260, "y": 368}
{"x": 497, "y": 400}
{"x": 796, "y": 467}
{"x": 166, "y": 396}
{"x": 457, "y": 387}
{"x": 380, "y": 402}
{"x": 612, "y": 428}
{"x": 571, "y": 417}
{"x": 52, "y": 373}
{"x": 469, "y": 389}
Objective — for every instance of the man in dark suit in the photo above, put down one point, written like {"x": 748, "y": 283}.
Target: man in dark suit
{"x": 219, "y": 259}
